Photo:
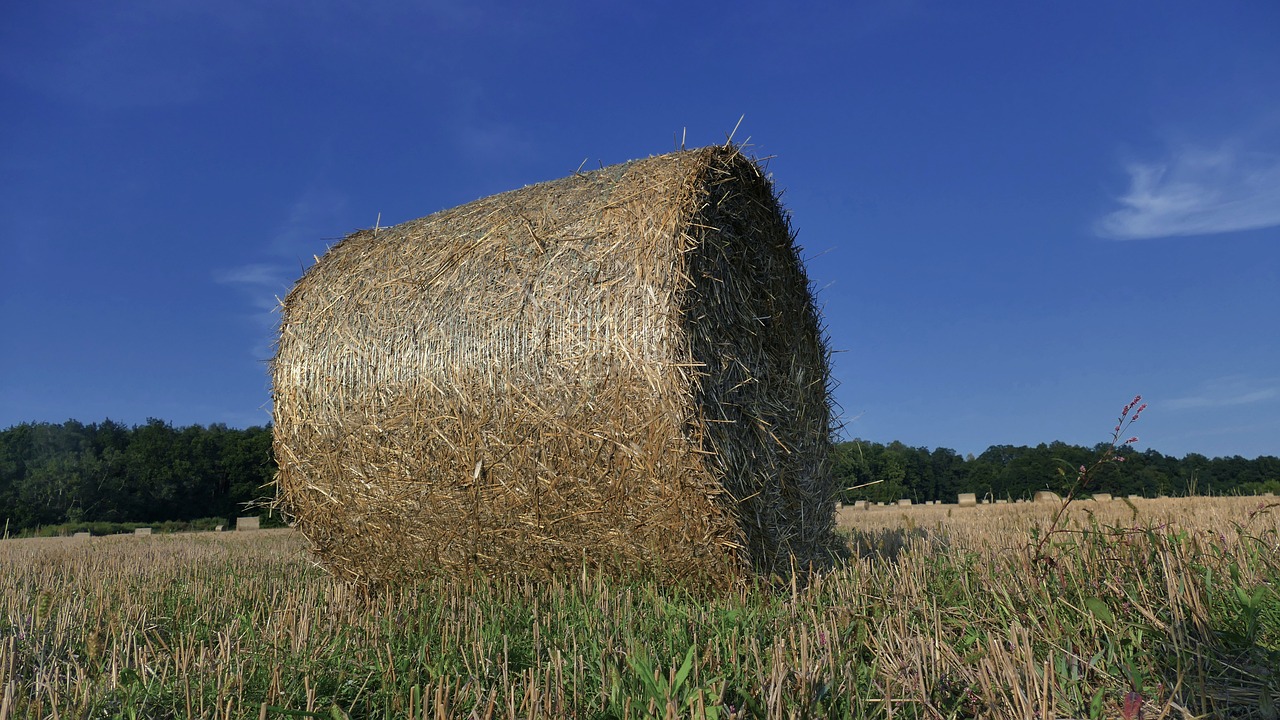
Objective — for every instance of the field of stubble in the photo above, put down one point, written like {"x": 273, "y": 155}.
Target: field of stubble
{"x": 1170, "y": 607}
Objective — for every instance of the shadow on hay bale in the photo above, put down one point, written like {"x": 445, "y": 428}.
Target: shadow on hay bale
{"x": 623, "y": 368}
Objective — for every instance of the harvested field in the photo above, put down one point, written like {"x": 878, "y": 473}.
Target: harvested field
{"x": 939, "y": 615}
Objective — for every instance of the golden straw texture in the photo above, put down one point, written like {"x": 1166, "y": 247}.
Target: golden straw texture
{"x": 623, "y": 368}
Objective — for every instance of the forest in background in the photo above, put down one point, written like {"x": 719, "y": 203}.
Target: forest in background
{"x": 69, "y": 474}
{"x": 895, "y": 471}
{"x": 72, "y": 473}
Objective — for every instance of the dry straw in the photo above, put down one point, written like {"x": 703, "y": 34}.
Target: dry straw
{"x": 623, "y": 368}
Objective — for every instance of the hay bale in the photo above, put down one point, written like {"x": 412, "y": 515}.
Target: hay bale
{"x": 247, "y": 523}
{"x": 142, "y": 531}
{"x": 904, "y": 502}
{"x": 1046, "y": 496}
{"x": 967, "y": 499}
{"x": 80, "y": 535}
{"x": 1102, "y": 497}
{"x": 860, "y": 505}
{"x": 623, "y": 368}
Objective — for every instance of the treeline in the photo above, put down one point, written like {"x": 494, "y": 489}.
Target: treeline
{"x": 69, "y": 473}
{"x": 894, "y": 471}
{"x": 106, "y": 472}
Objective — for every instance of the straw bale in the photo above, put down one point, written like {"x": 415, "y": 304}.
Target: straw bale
{"x": 247, "y": 523}
{"x": 1102, "y": 497}
{"x": 142, "y": 531}
{"x": 967, "y": 499}
{"x": 622, "y": 369}
{"x": 1047, "y": 496}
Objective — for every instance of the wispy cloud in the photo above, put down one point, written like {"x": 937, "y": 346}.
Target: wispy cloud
{"x": 316, "y": 214}
{"x": 1196, "y": 191}
{"x": 312, "y": 217}
{"x": 1231, "y": 391}
{"x": 261, "y": 281}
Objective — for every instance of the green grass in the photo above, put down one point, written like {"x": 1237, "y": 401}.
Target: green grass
{"x": 942, "y": 614}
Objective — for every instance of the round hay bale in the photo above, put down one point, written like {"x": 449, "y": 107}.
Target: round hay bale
{"x": 623, "y": 368}
{"x": 967, "y": 499}
{"x": 1047, "y": 496}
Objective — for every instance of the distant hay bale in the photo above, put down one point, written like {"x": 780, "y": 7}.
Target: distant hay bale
{"x": 967, "y": 499}
{"x": 1002, "y": 502}
{"x": 1046, "y": 496}
{"x": 81, "y": 535}
{"x": 622, "y": 369}
{"x": 860, "y": 505}
{"x": 142, "y": 531}
{"x": 904, "y": 502}
{"x": 247, "y": 523}
{"x": 1135, "y": 497}
{"x": 1102, "y": 497}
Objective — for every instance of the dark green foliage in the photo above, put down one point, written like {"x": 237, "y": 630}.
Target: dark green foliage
{"x": 75, "y": 476}
{"x": 68, "y": 476}
{"x": 893, "y": 471}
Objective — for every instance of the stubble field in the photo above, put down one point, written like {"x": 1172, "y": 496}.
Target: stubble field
{"x": 1167, "y": 607}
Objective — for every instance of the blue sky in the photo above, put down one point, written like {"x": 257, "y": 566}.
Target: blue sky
{"x": 1017, "y": 215}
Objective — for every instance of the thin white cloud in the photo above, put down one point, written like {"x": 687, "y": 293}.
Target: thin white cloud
{"x": 313, "y": 217}
{"x": 261, "y": 281}
{"x": 1195, "y": 191}
{"x": 1232, "y": 391}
